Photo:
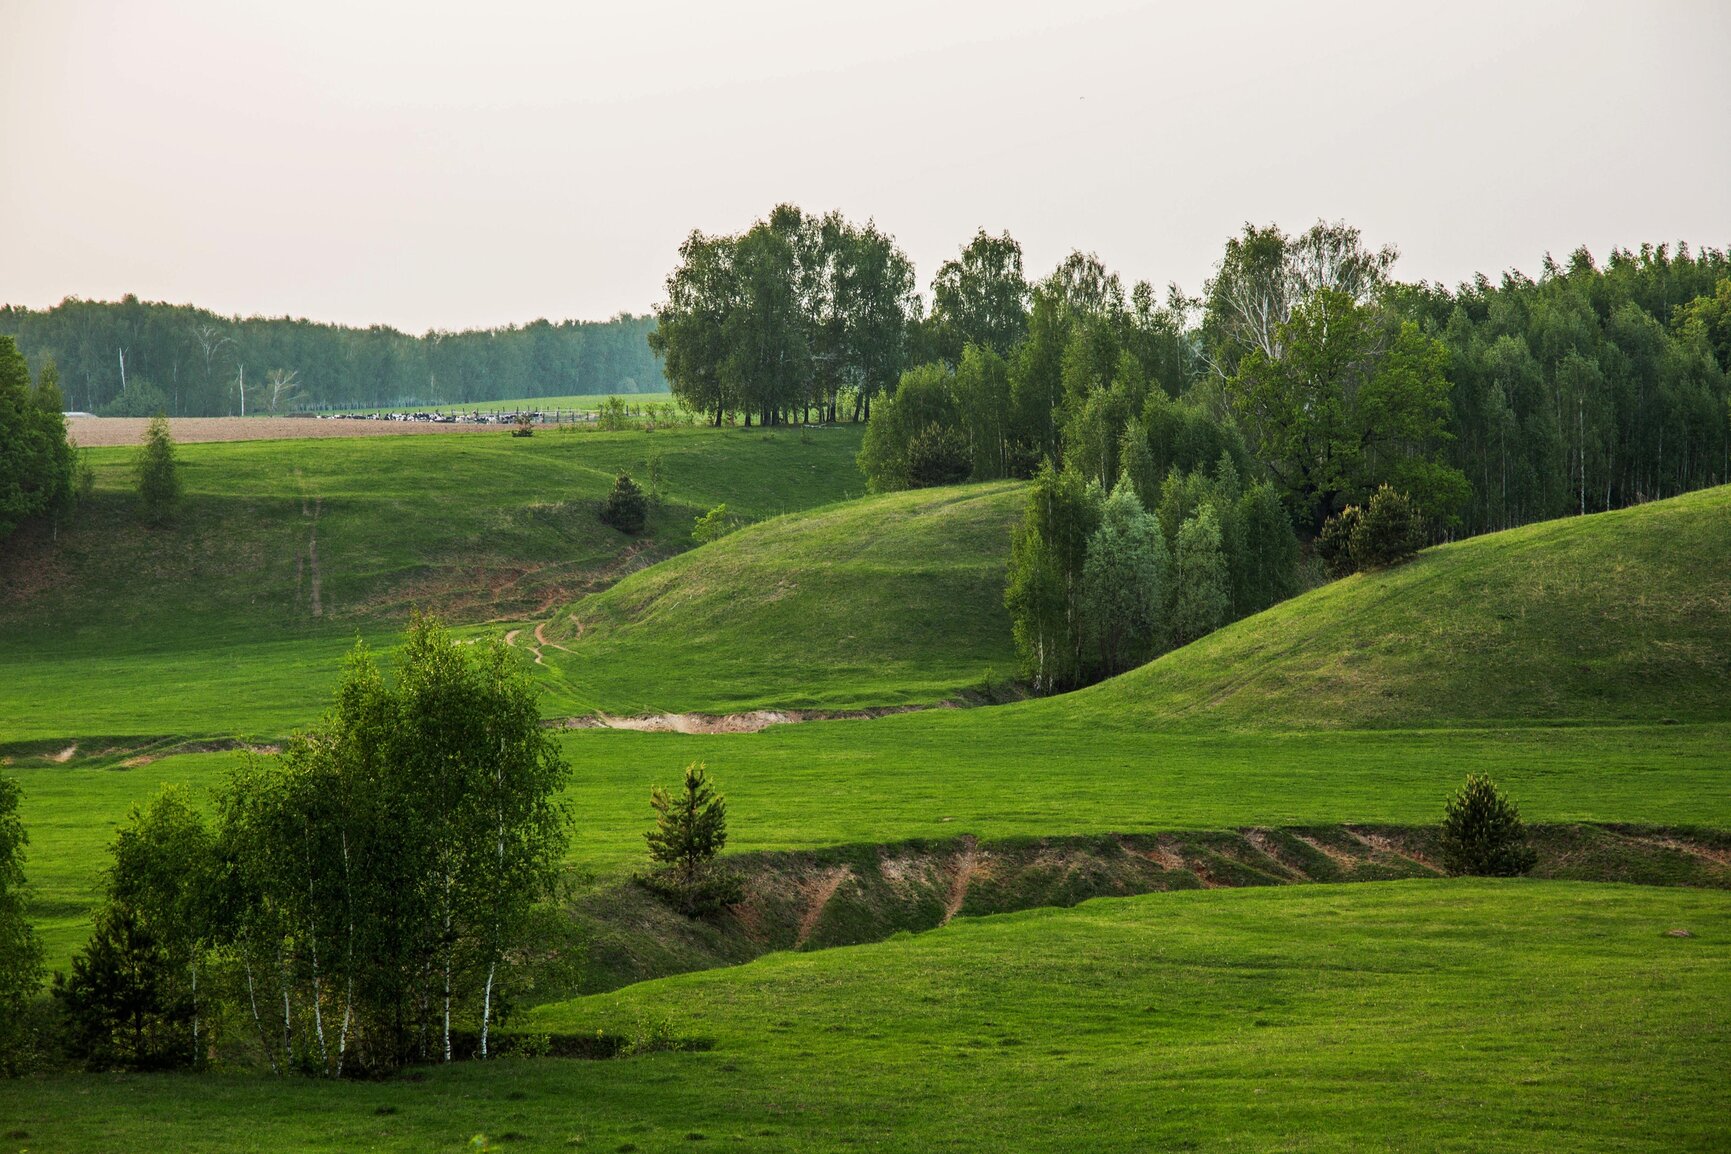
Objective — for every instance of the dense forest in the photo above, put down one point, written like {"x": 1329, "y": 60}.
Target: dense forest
{"x": 1491, "y": 404}
{"x": 133, "y": 357}
{"x": 1183, "y": 445}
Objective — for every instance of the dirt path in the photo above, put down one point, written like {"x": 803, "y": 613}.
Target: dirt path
{"x": 752, "y": 721}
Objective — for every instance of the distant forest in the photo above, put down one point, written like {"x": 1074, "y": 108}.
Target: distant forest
{"x": 188, "y": 361}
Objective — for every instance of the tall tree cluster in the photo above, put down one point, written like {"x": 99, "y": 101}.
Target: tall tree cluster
{"x": 1101, "y": 582}
{"x": 798, "y": 314}
{"x": 1589, "y": 388}
{"x": 36, "y": 462}
{"x": 356, "y": 902}
{"x": 137, "y": 358}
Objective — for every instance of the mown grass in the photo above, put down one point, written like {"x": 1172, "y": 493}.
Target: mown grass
{"x": 941, "y": 774}
{"x": 1464, "y": 1015}
{"x": 881, "y": 601}
{"x": 1621, "y": 615}
{"x": 208, "y": 625}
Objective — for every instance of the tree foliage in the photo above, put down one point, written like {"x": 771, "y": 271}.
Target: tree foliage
{"x": 36, "y": 462}
{"x": 625, "y": 507}
{"x": 188, "y": 361}
{"x": 690, "y": 832}
{"x": 1201, "y": 582}
{"x": 157, "y": 473}
{"x": 793, "y": 314}
{"x": 20, "y": 951}
{"x": 1482, "y": 832}
{"x": 357, "y": 898}
{"x": 1124, "y": 583}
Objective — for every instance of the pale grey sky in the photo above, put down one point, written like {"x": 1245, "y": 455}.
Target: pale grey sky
{"x": 451, "y": 165}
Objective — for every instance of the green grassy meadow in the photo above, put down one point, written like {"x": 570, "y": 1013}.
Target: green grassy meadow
{"x": 1460, "y": 1015}
{"x": 209, "y": 626}
{"x": 883, "y": 601}
{"x": 937, "y": 775}
{"x": 1585, "y": 664}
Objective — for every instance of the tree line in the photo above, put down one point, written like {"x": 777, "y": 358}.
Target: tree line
{"x": 138, "y": 358}
{"x": 356, "y": 903}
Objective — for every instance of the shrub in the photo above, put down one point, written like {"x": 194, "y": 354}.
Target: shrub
{"x": 613, "y": 415}
{"x": 1334, "y": 543}
{"x": 690, "y": 830}
{"x": 1388, "y": 531}
{"x": 938, "y": 455}
{"x": 626, "y": 508}
{"x": 1482, "y": 833}
{"x": 157, "y": 473}
{"x": 712, "y": 525}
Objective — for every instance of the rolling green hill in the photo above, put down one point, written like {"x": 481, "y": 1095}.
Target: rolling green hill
{"x": 1622, "y": 616}
{"x": 232, "y": 618}
{"x": 1427, "y": 1015}
{"x": 1130, "y": 756}
{"x": 881, "y": 601}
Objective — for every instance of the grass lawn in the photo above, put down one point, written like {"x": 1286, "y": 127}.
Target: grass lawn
{"x": 231, "y": 619}
{"x": 1413, "y": 1016}
{"x": 1621, "y": 615}
{"x": 942, "y": 774}
{"x": 880, "y": 601}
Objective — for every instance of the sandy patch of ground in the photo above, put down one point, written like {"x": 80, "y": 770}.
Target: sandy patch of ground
{"x": 89, "y": 431}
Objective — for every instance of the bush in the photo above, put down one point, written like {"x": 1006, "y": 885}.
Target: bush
{"x": 1388, "y": 531}
{"x": 938, "y": 455}
{"x": 157, "y": 474}
{"x": 613, "y": 415}
{"x": 1334, "y": 543}
{"x": 712, "y": 525}
{"x": 626, "y": 508}
{"x": 1482, "y": 833}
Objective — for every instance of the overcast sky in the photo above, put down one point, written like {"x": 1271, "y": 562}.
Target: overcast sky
{"x": 453, "y": 165}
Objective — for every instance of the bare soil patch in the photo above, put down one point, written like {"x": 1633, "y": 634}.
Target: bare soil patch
{"x": 91, "y": 431}
{"x": 753, "y": 721}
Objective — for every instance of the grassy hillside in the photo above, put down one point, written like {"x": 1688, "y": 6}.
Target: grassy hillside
{"x": 880, "y": 601}
{"x": 1615, "y": 616}
{"x": 1482, "y": 1016}
{"x": 1105, "y": 760}
{"x": 233, "y": 617}
{"x": 940, "y": 775}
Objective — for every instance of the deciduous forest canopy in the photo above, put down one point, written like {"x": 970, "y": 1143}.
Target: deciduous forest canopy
{"x": 136, "y": 358}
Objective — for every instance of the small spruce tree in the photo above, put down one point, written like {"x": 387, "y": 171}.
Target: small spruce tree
{"x": 626, "y": 508}
{"x": 157, "y": 473}
{"x": 1482, "y": 833}
{"x": 690, "y": 830}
